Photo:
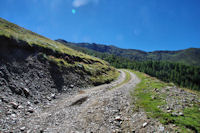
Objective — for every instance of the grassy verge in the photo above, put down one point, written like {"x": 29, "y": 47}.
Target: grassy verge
{"x": 105, "y": 77}
{"x": 145, "y": 97}
{"x": 99, "y": 73}
{"x": 127, "y": 79}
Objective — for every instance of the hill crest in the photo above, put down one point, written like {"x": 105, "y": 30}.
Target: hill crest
{"x": 190, "y": 56}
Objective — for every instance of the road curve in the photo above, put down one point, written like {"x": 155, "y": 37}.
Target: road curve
{"x": 98, "y": 109}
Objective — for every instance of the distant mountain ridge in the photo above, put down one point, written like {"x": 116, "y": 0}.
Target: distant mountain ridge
{"x": 190, "y": 56}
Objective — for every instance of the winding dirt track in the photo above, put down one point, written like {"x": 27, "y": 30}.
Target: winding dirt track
{"x": 97, "y": 109}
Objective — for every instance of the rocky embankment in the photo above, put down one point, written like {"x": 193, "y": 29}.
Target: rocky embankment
{"x": 28, "y": 80}
{"x": 34, "y": 70}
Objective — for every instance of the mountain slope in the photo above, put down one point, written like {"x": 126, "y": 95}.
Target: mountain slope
{"x": 34, "y": 70}
{"x": 13, "y": 36}
{"x": 189, "y": 56}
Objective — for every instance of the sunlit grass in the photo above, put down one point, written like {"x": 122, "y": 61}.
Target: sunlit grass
{"x": 98, "y": 70}
{"x": 142, "y": 97}
{"x": 13, "y": 31}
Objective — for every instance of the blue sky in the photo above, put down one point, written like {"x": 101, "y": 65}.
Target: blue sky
{"x": 137, "y": 24}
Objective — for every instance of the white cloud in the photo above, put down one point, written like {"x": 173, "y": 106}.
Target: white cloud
{"x": 79, "y": 3}
{"x": 51, "y": 4}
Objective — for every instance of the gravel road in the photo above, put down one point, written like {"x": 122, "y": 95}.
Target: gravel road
{"x": 98, "y": 109}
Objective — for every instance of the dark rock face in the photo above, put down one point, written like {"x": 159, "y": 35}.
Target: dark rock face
{"x": 25, "y": 75}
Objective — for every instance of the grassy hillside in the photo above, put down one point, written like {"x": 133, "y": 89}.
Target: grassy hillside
{"x": 189, "y": 56}
{"x": 174, "y": 107}
{"x": 98, "y": 70}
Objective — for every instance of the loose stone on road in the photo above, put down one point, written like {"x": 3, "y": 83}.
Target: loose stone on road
{"x": 98, "y": 109}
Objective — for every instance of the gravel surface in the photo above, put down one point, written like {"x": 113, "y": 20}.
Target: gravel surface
{"x": 99, "y": 109}
{"x": 96, "y": 109}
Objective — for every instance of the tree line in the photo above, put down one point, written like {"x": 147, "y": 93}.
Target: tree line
{"x": 178, "y": 73}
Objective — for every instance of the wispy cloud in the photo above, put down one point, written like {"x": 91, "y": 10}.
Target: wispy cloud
{"x": 50, "y": 4}
{"x": 79, "y": 3}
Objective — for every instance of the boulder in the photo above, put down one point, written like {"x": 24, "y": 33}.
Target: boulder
{"x": 22, "y": 128}
{"x": 30, "y": 110}
{"x": 14, "y": 105}
{"x": 53, "y": 96}
{"x": 71, "y": 86}
{"x": 144, "y": 124}
{"x": 118, "y": 118}
{"x": 180, "y": 114}
{"x": 26, "y": 91}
